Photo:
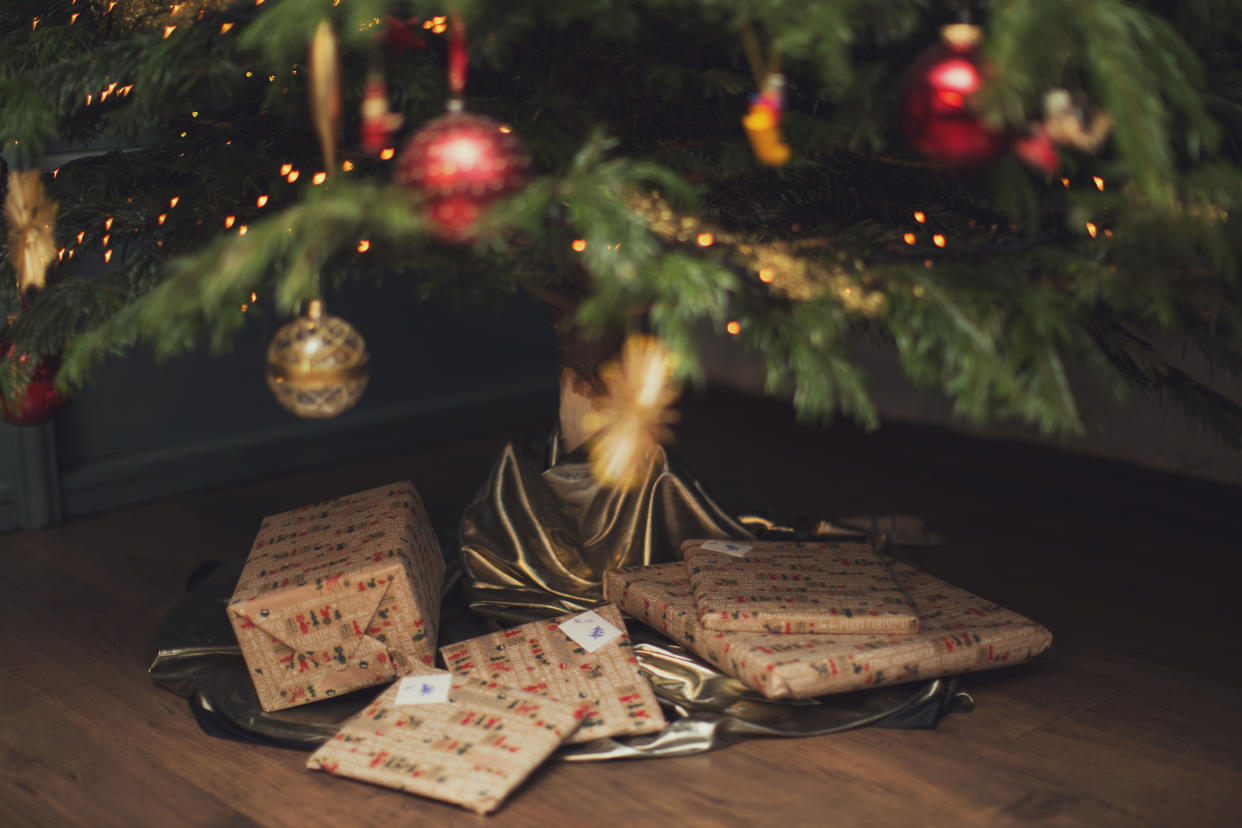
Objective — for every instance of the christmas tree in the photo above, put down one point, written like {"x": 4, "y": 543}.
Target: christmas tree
{"x": 1043, "y": 184}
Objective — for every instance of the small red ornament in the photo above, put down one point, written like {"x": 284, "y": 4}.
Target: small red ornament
{"x": 1038, "y": 150}
{"x": 462, "y": 163}
{"x": 402, "y": 35}
{"x": 936, "y": 109}
{"x": 377, "y": 122}
{"x": 40, "y": 401}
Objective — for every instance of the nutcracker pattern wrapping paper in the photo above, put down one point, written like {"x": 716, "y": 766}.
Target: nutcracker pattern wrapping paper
{"x": 338, "y": 596}
{"x": 959, "y": 633}
{"x": 472, "y": 750}
{"x": 609, "y": 695}
{"x": 789, "y": 587}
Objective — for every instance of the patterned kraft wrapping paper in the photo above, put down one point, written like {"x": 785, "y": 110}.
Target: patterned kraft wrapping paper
{"x": 609, "y": 695}
{"x": 789, "y": 587}
{"x": 472, "y": 750}
{"x": 960, "y": 633}
{"x": 339, "y": 596}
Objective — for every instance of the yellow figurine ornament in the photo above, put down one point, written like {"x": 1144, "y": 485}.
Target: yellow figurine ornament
{"x": 763, "y": 123}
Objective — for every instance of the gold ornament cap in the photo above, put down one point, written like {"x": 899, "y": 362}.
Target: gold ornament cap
{"x": 962, "y": 37}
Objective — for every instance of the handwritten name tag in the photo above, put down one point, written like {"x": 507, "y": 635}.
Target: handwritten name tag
{"x": 429, "y": 689}
{"x": 737, "y": 550}
{"x": 589, "y": 631}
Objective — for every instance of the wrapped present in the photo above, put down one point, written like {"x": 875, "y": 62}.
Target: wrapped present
{"x": 339, "y": 596}
{"x": 609, "y": 695}
{"x": 659, "y": 596}
{"x": 959, "y": 633}
{"x": 472, "y": 749}
{"x": 331, "y": 515}
{"x": 791, "y": 587}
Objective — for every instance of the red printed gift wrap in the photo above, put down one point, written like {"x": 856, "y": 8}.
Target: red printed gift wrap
{"x": 610, "y": 696}
{"x": 791, "y": 587}
{"x": 338, "y": 596}
{"x": 959, "y": 633}
{"x": 472, "y": 749}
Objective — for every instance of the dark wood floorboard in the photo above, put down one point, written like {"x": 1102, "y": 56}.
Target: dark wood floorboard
{"x": 1132, "y": 718}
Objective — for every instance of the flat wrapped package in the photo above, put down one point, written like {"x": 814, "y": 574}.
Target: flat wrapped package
{"x": 959, "y": 633}
{"x": 609, "y": 694}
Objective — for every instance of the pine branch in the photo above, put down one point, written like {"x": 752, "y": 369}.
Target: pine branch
{"x": 1152, "y": 373}
{"x": 282, "y": 255}
{"x": 991, "y": 318}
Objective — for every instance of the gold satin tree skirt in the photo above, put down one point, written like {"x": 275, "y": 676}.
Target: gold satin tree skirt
{"x": 535, "y": 543}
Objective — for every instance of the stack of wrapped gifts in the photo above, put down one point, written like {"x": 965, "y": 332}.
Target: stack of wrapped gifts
{"x": 345, "y": 595}
{"x": 799, "y": 620}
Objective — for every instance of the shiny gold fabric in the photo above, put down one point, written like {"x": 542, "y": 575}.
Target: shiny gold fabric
{"x": 535, "y": 543}
{"x": 715, "y": 710}
{"x": 538, "y": 538}
{"x": 195, "y": 655}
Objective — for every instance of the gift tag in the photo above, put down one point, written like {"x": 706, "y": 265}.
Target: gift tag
{"x": 589, "y": 631}
{"x": 737, "y": 550}
{"x": 432, "y": 688}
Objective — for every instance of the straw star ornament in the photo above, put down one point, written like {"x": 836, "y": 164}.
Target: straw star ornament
{"x": 631, "y": 420}
{"x": 31, "y": 217}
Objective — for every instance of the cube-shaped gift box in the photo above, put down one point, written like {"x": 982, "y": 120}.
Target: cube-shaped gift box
{"x": 339, "y": 596}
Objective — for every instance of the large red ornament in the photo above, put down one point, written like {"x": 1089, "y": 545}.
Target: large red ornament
{"x": 936, "y": 106}
{"x": 462, "y": 163}
{"x": 40, "y": 401}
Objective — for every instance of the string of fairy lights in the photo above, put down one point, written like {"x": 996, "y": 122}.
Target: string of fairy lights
{"x": 437, "y": 24}
{"x": 795, "y": 277}
{"x": 318, "y": 365}
{"x": 291, "y": 174}
{"x": 288, "y": 171}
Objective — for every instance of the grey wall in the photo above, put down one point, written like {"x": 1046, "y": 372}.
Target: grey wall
{"x": 143, "y": 431}
{"x": 1138, "y": 429}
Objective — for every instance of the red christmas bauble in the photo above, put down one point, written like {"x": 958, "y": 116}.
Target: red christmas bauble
{"x": 936, "y": 108}
{"x": 40, "y": 401}
{"x": 461, "y": 163}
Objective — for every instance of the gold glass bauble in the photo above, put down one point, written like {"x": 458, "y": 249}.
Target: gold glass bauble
{"x": 317, "y": 365}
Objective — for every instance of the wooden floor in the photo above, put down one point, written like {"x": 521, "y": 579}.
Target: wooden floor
{"x": 1132, "y": 718}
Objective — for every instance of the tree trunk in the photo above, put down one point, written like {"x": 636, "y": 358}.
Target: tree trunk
{"x": 581, "y": 357}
